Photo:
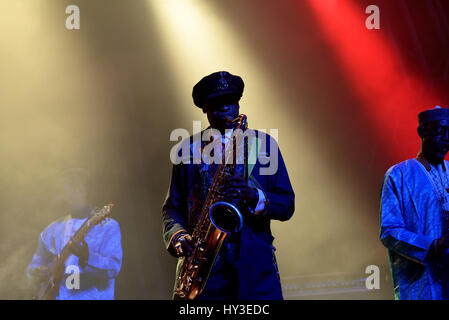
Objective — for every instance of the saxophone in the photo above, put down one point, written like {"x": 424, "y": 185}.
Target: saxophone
{"x": 217, "y": 219}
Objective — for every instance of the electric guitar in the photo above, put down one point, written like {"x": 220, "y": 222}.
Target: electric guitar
{"x": 49, "y": 288}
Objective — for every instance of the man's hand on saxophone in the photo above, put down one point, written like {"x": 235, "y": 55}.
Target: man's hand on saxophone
{"x": 183, "y": 244}
{"x": 237, "y": 189}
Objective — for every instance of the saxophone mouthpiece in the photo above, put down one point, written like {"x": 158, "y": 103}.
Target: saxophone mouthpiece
{"x": 240, "y": 120}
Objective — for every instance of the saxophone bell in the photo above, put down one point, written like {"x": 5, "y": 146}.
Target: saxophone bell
{"x": 226, "y": 217}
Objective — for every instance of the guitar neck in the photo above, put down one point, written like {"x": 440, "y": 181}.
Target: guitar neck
{"x": 78, "y": 237}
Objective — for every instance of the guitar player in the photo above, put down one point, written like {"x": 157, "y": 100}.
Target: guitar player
{"x": 98, "y": 257}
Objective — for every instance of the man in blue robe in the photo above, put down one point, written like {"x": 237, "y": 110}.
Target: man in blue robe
{"x": 245, "y": 267}
{"x": 414, "y": 214}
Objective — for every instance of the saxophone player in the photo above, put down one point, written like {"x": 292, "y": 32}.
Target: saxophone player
{"x": 245, "y": 266}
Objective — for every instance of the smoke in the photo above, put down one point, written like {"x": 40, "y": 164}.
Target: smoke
{"x": 13, "y": 271}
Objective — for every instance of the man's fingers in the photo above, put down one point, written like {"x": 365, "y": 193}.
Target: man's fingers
{"x": 187, "y": 246}
{"x": 185, "y": 239}
{"x": 234, "y": 184}
{"x": 79, "y": 249}
{"x": 189, "y": 240}
{"x": 184, "y": 245}
{"x": 73, "y": 244}
{"x": 75, "y": 247}
{"x": 178, "y": 247}
{"x": 234, "y": 190}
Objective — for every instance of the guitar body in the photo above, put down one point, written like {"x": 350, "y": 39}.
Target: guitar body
{"x": 49, "y": 289}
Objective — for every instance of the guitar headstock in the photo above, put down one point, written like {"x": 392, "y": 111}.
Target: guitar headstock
{"x": 101, "y": 214}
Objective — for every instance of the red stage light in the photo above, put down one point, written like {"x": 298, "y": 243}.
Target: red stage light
{"x": 391, "y": 97}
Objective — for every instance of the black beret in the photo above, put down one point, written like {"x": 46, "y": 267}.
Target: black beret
{"x": 217, "y": 84}
{"x": 434, "y": 114}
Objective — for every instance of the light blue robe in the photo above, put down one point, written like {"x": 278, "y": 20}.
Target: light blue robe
{"x": 411, "y": 220}
{"x": 97, "y": 279}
